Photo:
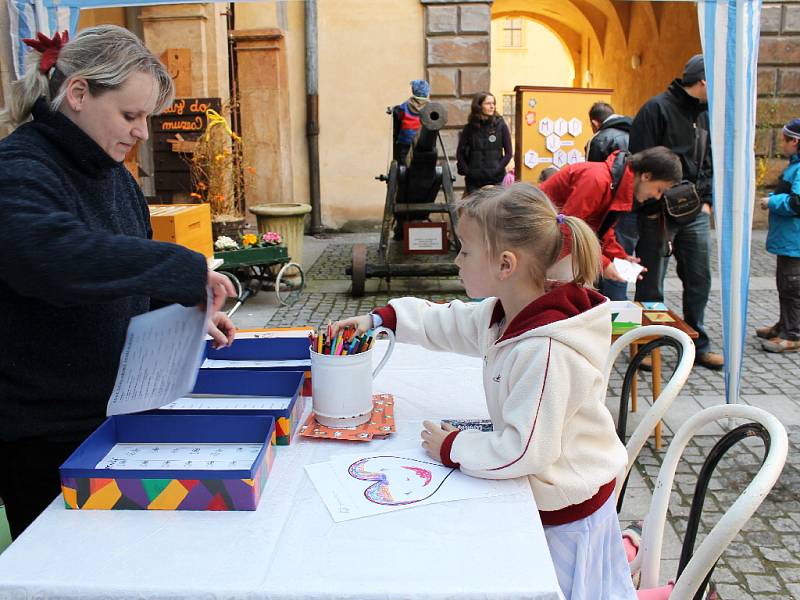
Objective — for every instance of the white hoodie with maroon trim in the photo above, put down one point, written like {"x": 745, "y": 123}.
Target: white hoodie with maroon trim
{"x": 544, "y": 387}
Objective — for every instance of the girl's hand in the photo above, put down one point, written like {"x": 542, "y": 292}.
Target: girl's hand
{"x": 433, "y": 437}
{"x": 764, "y": 203}
{"x": 361, "y": 324}
{"x": 221, "y": 329}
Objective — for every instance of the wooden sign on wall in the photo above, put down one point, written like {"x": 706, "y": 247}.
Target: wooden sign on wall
{"x": 179, "y": 65}
{"x": 187, "y": 117}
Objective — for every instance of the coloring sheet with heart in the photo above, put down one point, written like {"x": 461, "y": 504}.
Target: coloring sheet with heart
{"x": 360, "y": 485}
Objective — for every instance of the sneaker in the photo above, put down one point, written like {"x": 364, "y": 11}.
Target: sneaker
{"x": 710, "y": 360}
{"x": 767, "y": 333}
{"x": 778, "y": 344}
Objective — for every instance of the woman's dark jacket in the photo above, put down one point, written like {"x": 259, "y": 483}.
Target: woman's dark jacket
{"x": 483, "y": 152}
{"x": 76, "y": 266}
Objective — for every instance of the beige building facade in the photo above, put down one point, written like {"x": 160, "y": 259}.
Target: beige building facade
{"x": 370, "y": 50}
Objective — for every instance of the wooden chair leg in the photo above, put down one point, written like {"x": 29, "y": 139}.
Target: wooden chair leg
{"x": 656, "y": 361}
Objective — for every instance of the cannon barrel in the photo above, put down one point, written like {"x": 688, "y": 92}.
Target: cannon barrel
{"x": 433, "y": 117}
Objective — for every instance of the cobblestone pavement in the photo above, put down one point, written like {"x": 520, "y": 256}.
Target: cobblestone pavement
{"x": 764, "y": 560}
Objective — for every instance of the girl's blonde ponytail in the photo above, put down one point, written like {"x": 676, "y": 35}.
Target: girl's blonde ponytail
{"x": 585, "y": 251}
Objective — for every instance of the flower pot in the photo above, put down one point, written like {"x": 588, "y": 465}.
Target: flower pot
{"x": 286, "y": 219}
{"x": 252, "y": 256}
{"x": 228, "y": 225}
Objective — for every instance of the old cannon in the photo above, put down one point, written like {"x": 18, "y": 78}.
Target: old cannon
{"x": 411, "y": 193}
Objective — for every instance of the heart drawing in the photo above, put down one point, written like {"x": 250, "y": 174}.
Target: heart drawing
{"x": 399, "y": 480}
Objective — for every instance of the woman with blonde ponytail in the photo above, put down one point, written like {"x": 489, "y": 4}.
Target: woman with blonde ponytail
{"x": 77, "y": 262}
{"x": 544, "y": 352}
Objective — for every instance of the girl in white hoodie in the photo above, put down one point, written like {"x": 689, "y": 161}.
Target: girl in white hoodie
{"x": 543, "y": 353}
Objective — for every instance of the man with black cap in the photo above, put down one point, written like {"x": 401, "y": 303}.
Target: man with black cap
{"x": 678, "y": 119}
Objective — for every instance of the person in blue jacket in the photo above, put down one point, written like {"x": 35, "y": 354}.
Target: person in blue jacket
{"x": 783, "y": 240}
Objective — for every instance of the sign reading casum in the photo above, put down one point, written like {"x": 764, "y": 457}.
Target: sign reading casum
{"x": 187, "y": 117}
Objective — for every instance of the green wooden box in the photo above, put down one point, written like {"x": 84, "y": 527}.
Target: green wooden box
{"x": 253, "y": 256}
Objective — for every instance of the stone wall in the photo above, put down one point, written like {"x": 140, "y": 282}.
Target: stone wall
{"x": 778, "y": 91}
{"x": 457, "y": 59}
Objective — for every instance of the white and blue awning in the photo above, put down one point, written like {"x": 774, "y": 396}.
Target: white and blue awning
{"x": 729, "y": 31}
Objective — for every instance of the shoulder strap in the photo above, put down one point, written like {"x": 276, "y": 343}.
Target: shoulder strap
{"x": 617, "y": 173}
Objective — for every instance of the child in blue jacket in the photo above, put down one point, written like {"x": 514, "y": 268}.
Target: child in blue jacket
{"x": 783, "y": 240}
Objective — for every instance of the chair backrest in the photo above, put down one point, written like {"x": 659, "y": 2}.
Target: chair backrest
{"x": 668, "y": 393}
{"x": 702, "y": 561}
{"x": 5, "y": 532}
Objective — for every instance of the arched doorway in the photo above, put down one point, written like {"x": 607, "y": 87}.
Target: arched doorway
{"x": 526, "y": 52}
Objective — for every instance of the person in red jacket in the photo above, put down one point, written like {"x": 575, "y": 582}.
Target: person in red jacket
{"x": 599, "y": 192}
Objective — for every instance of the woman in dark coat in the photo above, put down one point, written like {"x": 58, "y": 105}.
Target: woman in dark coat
{"x": 484, "y": 146}
{"x": 78, "y": 262}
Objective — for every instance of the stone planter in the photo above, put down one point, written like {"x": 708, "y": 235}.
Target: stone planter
{"x": 286, "y": 219}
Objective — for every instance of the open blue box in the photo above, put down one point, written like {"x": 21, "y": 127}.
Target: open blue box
{"x": 247, "y": 382}
{"x": 266, "y": 349}
{"x": 84, "y": 486}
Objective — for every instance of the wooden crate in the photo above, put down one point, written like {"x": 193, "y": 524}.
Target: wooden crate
{"x": 185, "y": 224}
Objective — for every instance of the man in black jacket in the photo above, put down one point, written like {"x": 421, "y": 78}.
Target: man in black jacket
{"x": 678, "y": 119}
{"x": 611, "y": 133}
{"x": 610, "y": 130}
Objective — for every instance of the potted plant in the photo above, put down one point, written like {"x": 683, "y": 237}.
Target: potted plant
{"x": 250, "y": 249}
{"x": 218, "y": 174}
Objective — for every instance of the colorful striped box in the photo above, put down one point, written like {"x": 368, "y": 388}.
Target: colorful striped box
{"x": 84, "y": 486}
{"x": 247, "y": 382}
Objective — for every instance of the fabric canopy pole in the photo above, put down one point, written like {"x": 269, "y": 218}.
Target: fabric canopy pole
{"x": 729, "y": 32}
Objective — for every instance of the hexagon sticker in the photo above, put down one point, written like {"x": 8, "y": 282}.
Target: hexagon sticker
{"x": 575, "y": 127}
{"x": 559, "y": 158}
{"x": 531, "y": 159}
{"x": 574, "y": 156}
{"x": 546, "y": 126}
{"x": 560, "y": 127}
{"x": 553, "y": 142}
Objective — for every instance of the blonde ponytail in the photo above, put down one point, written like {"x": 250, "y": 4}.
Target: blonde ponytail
{"x": 105, "y": 56}
{"x": 585, "y": 251}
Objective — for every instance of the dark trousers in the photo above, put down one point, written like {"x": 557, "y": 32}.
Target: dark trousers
{"x": 627, "y": 233}
{"x": 29, "y": 478}
{"x": 692, "y": 250}
{"x": 787, "y": 279}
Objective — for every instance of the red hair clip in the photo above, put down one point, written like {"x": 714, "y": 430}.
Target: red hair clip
{"x": 48, "y": 47}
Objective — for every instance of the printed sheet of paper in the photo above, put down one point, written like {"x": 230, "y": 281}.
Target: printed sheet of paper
{"x": 627, "y": 269}
{"x": 191, "y": 457}
{"x": 362, "y": 485}
{"x": 159, "y": 361}
{"x": 200, "y": 402}
{"x": 302, "y": 364}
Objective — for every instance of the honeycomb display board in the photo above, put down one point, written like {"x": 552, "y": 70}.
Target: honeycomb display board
{"x": 552, "y": 127}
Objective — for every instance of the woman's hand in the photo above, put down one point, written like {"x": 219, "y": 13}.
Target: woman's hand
{"x": 433, "y": 437}
{"x": 361, "y": 324}
{"x": 221, "y": 288}
{"x": 221, "y": 329}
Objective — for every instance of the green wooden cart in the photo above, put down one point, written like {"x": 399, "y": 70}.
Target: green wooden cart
{"x": 254, "y": 269}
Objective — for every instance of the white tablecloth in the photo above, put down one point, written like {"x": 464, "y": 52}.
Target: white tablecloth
{"x": 290, "y": 547}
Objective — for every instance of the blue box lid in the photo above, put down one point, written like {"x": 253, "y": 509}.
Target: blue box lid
{"x": 262, "y": 349}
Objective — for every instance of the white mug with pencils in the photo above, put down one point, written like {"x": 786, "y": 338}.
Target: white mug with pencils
{"x": 342, "y": 374}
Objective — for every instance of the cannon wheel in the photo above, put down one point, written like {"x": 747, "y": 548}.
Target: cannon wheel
{"x": 289, "y": 283}
{"x": 388, "y": 208}
{"x": 358, "y": 271}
